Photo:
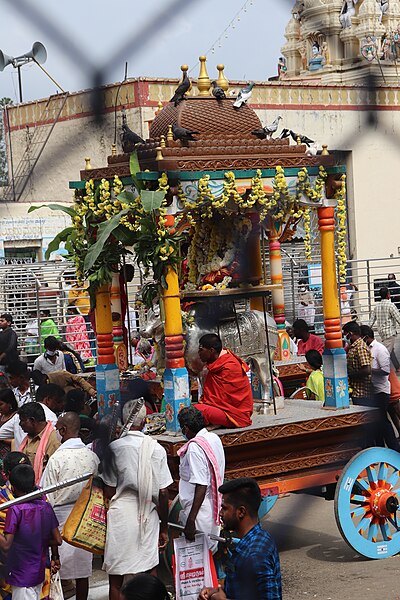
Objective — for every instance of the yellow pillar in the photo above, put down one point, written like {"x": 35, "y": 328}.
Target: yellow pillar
{"x": 334, "y": 356}
{"x": 176, "y": 378}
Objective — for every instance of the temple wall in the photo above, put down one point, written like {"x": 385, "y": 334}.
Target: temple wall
{"x": 333, "y": 115}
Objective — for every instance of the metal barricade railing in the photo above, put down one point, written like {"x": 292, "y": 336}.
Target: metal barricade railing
{"x": 31, "y": 292}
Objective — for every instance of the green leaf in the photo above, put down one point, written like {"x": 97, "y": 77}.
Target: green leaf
{"x": 104, "y": 231}
{"x": 126, "y": 196}
{"x": 135, "y": 169}
{"x": 67, "y": 209}
{"x": 152, "y": 200}
{"x": 55, "y": 243}
{"x": 125, "y": 236}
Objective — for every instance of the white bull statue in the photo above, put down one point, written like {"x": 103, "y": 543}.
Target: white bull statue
{"x": 244, "y": 334}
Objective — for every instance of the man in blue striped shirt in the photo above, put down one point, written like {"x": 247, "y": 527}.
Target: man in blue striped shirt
{"x": 253, "y": 570}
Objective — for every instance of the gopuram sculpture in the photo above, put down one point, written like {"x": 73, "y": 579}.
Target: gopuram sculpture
{"x": 340, "y": 41}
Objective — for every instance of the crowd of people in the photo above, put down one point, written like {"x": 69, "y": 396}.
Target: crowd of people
{"x": 48, "y": 434}
{"x": 46, "y": 438}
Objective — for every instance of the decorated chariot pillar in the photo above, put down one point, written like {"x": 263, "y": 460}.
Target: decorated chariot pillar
{"x": 278, "y": 300}
{"x": 107, "y": 373}
{"x": 334, "y": 356}
{"x": 120, "y": 350}
{"x": 176, "y": 378}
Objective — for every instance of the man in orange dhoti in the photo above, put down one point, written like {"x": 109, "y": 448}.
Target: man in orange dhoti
{"x": 227, "y": 399}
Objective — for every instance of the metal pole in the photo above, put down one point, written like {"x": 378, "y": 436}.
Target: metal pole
{"x": 369, "y": 287}
{"x": 11, "y": 154}
{"x": 20, "y": 83}
{"x": 47, "y": 490}
{"x": 269, "y": 354}
{"x": 125, "y": 284}
{"x": 48, "y": 75}
{"x": 38, "y": 315}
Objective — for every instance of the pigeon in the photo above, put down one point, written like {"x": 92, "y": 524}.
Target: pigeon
{"x": 285, "y": 133}
{"x": 181, "y": 90}
{"x": 267, "y": 131}
{"x": 217, "y": 91}
{"x": 312, "y": 150}
{"x": 303, "y": 138}
{"x": 244, "y": 95}
{"x": 129, "y": 139}
{"x": 183, "y": 134}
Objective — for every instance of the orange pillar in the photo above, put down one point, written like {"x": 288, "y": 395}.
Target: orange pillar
{"x": 107, "y": 374}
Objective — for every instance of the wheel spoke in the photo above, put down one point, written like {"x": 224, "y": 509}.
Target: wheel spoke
{"x": 356, "y": 499}
{"x": 364, "y": 485}
{"x": 363, "y": 524}
{"x": 371, "y": 474}
{"x": 383, "y": 472}
{"x": 385, "y": 530}
{"x": 360, "y": 510}
{"x": 393, "y": 478}
{"x": 373, "y": 532}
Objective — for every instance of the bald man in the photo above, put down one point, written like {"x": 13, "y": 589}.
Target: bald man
{"x": 72, "y": 459}
{"x": 136, "y": 480}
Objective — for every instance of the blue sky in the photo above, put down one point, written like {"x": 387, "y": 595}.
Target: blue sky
{"x": 249, "y": 49}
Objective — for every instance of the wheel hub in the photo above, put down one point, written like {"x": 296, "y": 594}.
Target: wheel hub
{"x": 383, "y": 503}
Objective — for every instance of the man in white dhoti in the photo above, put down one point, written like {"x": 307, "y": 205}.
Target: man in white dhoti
{"x": 201, "y": 471}
{"x": 136, "y": 475}
{"x": 71, "y": 459}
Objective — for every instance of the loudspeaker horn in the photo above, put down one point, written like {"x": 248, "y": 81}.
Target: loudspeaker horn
{"x": 5, "y": 60}
{"x": 38, "y": 52}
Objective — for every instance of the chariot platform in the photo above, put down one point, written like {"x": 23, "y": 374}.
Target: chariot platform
{"x": 303, "y": 446}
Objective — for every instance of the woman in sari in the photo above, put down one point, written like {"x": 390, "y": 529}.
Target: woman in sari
{"x": 77, "y": 335}
{"x": 12, "y": 460}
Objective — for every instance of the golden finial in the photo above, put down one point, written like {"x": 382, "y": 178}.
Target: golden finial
{"x": 113, "y": 149}
{"x": 222, "y": 81}
{"x": 324, "y": 150}
{"x": 88, "y": 166}
{"x": 170, "y": 135}
{"x": 159, "y": 155}
{"x": 203, "y": 82}
{"x": 162, "y": 142}
{"x": 298, "y": 141}
{"x": 159, "y": 107}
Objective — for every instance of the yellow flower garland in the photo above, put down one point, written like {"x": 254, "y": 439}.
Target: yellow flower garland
{"x": 307, "y": 229}
{"x": 341, "y": 232}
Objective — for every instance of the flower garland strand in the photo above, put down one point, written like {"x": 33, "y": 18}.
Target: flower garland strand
{"x": 307, "y": 229}
{"x": 341, "y": 231}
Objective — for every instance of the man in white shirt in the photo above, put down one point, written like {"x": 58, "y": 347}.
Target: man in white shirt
{"x": 380, "y": 387}
{"x": 18, "y": 376}
{"x": 72, "y": 459}
{"x": 201, "y": 471}
{"x": 52, "y": 399}
{"x": 52, "y": 359}
{"x": 387, "y": 319}
{"x": 136, "y": 478}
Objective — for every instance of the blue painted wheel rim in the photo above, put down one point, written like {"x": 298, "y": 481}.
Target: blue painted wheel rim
{"x": 267, "y": 503}
{"x": 369, "y": 534}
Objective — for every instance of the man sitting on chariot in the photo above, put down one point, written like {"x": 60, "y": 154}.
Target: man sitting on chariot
{"x": 227, "y": 399}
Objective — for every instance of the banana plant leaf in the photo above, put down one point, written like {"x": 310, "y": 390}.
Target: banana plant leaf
{"x": 151, "y": 200}
{"x": 134, "y": 168}
{"x": 104, "y": 231}
{"x": 60, "y": 237}
{"x": 67, "y": 209}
